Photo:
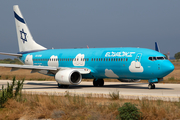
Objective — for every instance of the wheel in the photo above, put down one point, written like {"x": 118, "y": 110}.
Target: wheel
{"x": 95, "y": 83}
{"x": 63, "y": 86}
{"x": 151, "y": 86}
{"x": 101, "y": 82}
{"x": 59, "y": 85}
{"x": 98, "y": 82}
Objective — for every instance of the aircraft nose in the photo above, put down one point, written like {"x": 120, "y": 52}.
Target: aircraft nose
{"x": 168, "y": 67}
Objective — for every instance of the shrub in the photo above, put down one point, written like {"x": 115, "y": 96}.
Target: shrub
{"x": 7, "y": 93}
{"x": 177, "y": 55}
{"x": 171, "y": 78}
{"x": 129, "y": 112}
{"x": 114, "y": 95}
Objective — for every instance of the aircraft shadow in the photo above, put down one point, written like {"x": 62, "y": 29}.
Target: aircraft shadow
{"x": 126, "y": 86}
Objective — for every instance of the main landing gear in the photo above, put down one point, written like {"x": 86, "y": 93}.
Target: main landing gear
{"x": 98, "y": 82}
{"x": 151, "y": 86}
{"x": 63, "y": 86}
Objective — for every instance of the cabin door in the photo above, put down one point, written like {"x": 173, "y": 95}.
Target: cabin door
{"x": 138, "y": 59}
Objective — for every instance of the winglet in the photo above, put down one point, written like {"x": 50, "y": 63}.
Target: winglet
{"x": 157, "y": 47}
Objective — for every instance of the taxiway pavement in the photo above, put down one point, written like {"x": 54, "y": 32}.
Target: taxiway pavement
{"x": 166, "y": 92}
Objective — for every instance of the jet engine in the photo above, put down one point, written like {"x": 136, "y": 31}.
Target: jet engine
{"x": 129, "y": 80}
{"x": 68, "y": 77}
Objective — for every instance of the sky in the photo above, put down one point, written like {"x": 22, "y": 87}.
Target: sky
{"x": 62, "y": 24}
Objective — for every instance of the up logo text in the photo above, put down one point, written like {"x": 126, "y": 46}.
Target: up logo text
{"x": 119, "y": 54}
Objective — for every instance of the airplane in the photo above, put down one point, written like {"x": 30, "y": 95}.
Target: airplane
{"x": 70, "y": 66}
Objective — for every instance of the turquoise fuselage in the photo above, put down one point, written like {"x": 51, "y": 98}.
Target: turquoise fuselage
{"x": 119, "y": 63}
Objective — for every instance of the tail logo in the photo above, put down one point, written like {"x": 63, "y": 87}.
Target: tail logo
{"x": 23, "y": 36}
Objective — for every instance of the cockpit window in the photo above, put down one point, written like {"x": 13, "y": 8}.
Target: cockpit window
{"x": 157, "y": 58}
{"x": 150, "y": 58}
{"x": 154, "y": 58}
{"x": 160, "y": 58}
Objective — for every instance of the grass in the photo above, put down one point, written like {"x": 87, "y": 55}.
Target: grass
{"x": 114, "y": 95}
{"x": 83, "y": 108}
{"x": 171, "y": 78}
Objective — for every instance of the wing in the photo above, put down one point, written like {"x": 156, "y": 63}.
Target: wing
{"x": 39, "y": 68}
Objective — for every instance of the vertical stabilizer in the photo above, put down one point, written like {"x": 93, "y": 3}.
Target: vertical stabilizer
{"x": 25, "y": 39}
{"x": 157, "y": 47}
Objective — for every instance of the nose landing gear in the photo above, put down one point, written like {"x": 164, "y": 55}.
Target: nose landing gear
{"x": 151, "y": 86}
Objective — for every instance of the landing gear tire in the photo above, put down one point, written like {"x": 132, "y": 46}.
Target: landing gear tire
{"x": 98, "y": 83}
{"x": 101, "y": 82}
{"x": 63, "y": 86}
{"x": 95, "y": 83}
{"x": 151, "y": 86}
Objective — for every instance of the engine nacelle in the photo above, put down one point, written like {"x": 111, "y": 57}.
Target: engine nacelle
{"x": 129, "y": 80}
{"x": 68, "y": 77}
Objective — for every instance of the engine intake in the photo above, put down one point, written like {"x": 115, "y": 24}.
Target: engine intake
{"x": 68, "y": 77}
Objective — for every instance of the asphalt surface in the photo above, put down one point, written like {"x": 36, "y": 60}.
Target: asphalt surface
{"x": 166, "y": 92}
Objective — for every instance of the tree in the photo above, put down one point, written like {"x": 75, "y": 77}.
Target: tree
{"x": 177, "y": 55}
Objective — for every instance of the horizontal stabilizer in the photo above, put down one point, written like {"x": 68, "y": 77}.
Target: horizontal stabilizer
{"x": 11, "y": 54}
